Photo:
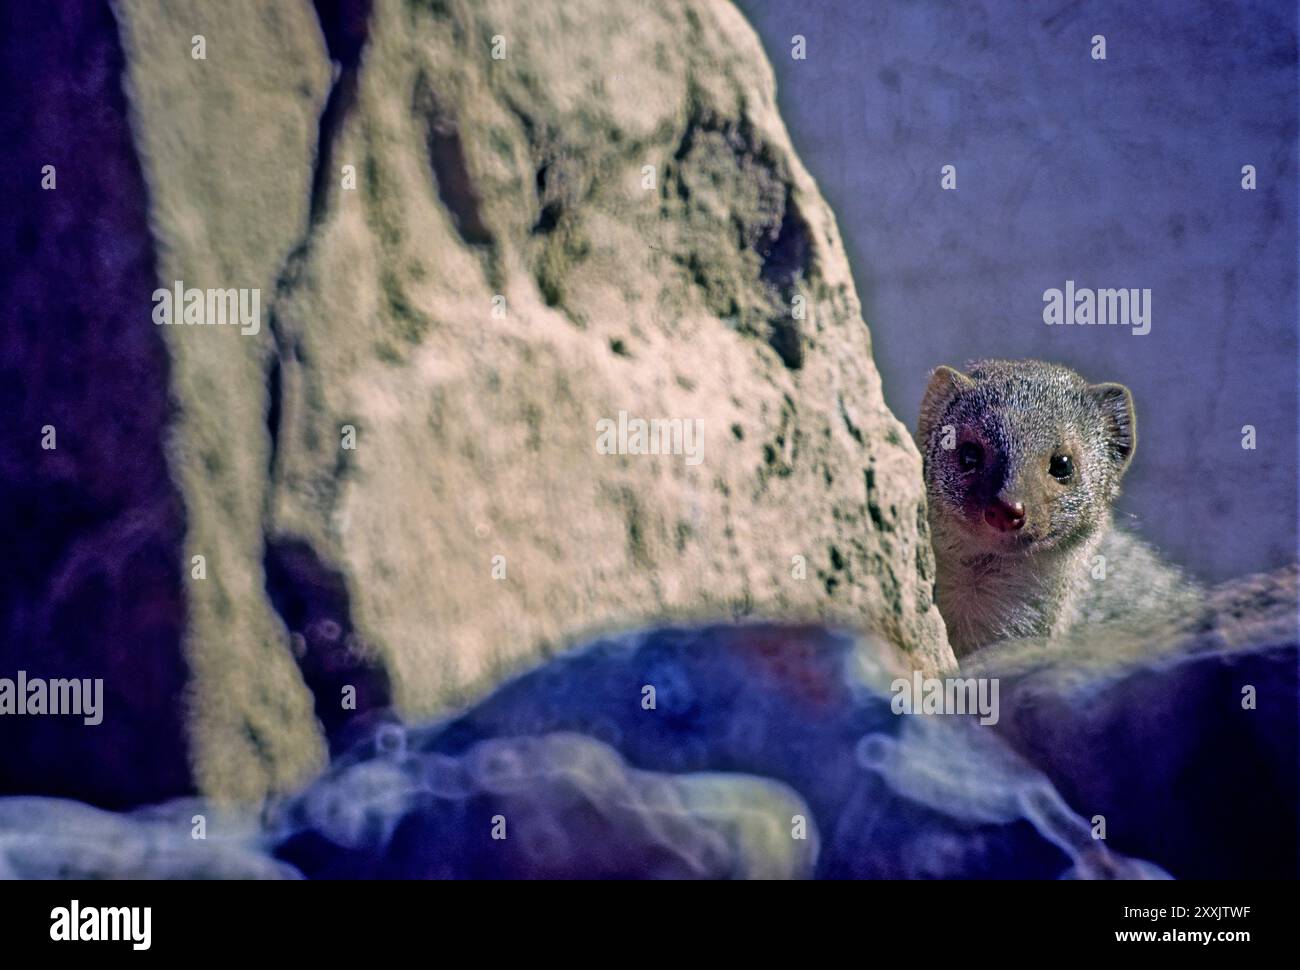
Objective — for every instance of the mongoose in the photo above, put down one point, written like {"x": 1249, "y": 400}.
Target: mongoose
{"x": 1022, "y": 463}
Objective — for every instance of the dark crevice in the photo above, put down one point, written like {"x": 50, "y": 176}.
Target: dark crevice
{"x": 273, "y": 407}
{"x": 873, "y": 501}
{"x": 849, "y": 423}
{"x": 550, "y": 188}
{"x": 784, "y": 337}
{"x": 312, "y": 599}
{"x": 782, "y": 245}
{"x": 548, "y": 219}
{"x": 549, "y": 215}
{"x": 787, "y": 258}
{"x": 450, "y": 168}
{"x": 338, "y": 105}
{"x": 346, "y": 27}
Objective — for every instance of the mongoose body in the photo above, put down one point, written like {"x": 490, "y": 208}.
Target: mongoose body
{"x": 1022, "y": 464}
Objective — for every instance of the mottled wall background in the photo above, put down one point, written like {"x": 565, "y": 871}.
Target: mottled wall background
{"x": 1117, "y": 173}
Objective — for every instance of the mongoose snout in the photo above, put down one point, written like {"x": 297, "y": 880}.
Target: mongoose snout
{"x": 1005, "y": 516}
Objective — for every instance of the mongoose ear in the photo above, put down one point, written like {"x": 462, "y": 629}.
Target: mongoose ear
{"x": 1119, "y": 420}
{"x": 945, "y": 383}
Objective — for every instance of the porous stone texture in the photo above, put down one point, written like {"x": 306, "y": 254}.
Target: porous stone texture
{"x": 488, "y": 226}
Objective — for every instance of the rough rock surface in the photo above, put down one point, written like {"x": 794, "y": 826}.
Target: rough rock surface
{"x": 226, "y": 146}
{"x": 619, "y": 176}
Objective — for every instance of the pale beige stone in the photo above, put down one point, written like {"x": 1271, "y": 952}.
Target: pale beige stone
{"x": 476, "y": 434}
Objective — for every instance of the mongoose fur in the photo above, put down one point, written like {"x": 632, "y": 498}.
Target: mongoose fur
{"x": 1022, "y": 463}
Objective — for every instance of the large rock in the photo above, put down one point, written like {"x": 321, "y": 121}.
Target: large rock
{"x": 614, "y": 181}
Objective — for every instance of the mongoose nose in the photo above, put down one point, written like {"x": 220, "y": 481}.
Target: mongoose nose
{"x": 1005, "y": 516}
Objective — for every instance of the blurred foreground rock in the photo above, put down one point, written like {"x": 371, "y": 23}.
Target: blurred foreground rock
{"x": 47, "y": 838}
{"x": 1199, "y": 722}
{"x": 760, "y": 751}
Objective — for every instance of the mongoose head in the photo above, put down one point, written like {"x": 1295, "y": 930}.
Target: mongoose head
{"x": 1021, "y": 456}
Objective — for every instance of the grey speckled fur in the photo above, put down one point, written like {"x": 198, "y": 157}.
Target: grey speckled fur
{"x": 1067, "y": 565}
{"x": 1138, "y": 584}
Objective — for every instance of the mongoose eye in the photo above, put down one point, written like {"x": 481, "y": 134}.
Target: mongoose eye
{"x": 969, "y": 456}
{"x": 1061, "y": 468}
